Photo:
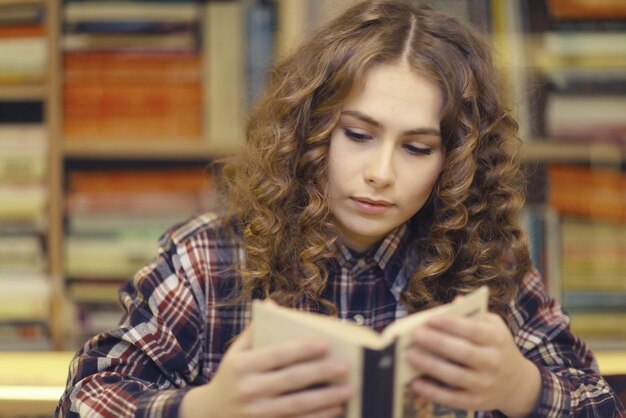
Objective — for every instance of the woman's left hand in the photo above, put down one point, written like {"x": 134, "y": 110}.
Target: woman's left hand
{"x": 478, "y": 363}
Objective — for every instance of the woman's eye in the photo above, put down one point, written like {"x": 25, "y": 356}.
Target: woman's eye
{"x": 412, "y": 149}
{"x": 356, "y": 136}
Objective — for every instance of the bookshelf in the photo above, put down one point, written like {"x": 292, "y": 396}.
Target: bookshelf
{"x": 568, "y": 78}
{"x": 26, "y": 155}
{"x": 223, "y": 76}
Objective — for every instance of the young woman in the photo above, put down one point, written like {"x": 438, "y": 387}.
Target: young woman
{"x": 379, "y": 178}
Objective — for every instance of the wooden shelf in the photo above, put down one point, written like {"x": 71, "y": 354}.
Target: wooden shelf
{"x": 31, "y": 383}
{"x": 173, "y": 149}
{"x": 22, "y": 92}
{"x": 594, "y": 153}
{"x": 22, "y": 2}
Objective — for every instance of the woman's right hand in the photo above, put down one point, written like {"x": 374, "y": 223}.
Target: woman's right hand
{"x": 293, "y": 379}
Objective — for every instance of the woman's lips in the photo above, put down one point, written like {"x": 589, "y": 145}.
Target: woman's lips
{"x": 371, "y": 207}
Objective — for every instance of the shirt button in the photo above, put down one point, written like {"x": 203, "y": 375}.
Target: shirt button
{"x": 359, "y": 319}
{"x": 361, "y": 264}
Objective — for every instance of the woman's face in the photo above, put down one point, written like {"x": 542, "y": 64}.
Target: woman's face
{"x": 385, "y": 154}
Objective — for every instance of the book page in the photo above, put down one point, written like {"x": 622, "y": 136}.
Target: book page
{"x": 406, "y": 403}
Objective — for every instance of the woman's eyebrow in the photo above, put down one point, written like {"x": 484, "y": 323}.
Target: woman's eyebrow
{"x": 371, "y": 121}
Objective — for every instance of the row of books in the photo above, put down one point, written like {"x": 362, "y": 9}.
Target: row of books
{"x": 25, "y": 287}
{"x": 24, "y": 284}
{"x": 594, "y": 277}
{"x": 582, "y": 58}
{"x": 578, "y": 241}
{"x": 114, "y": 221}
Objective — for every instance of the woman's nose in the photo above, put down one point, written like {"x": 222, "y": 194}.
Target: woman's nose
{"x": 379, "y": 170}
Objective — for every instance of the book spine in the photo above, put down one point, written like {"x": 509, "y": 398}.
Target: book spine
{"x": 378, "y": 382}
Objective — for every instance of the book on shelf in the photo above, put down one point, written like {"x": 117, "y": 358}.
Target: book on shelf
{"x": 260, "y": 26}
{"x": 592, "y": 254}
{"x": 176, "y": 100}
{"x": 172, "y": 42}
{"x": 23, "y": 201}
{"x": 109, "y": 256}
{"x": 120, "y": 129}
{"x": 595, "y": 300}
{"x": 21, "y": 111}
{"x": 378, "y": 364}
{"x": 140, "y": 180}
{"x": 89, "y": 319}
{"x": 14, "y": 14}
{"x": 125, "y": 203}
{"x": 23, "y": 152}
{"x": 587, "y": 79}
{"x": 586, "y": 117}
{"x": 584, "y": 9}
{"x": 592, "y": 192}
{"x": 24, "y": 297}
{"x": 115, "y": 217}
{"x": 91, "y": 222}
{"x": 22, "y": 59}
{"x": 22, "y": 31}
{"x": 131, "y": 68}
{"x": 590, "y": 44}
{"x": 128, "y": 27}
{"x": 95, "y": 291}
{"x": 21, "y": 253}
{"x": 24, "y": 336}
{"x": 135, "y": 11}
{"x": 594, "y": 325}
{"x": 534, "y": 218}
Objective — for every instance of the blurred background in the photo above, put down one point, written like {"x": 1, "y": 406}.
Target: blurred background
{"x": 112, "y": 111}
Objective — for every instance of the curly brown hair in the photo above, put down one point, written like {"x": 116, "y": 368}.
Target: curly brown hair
{"x": 466, "y": 235}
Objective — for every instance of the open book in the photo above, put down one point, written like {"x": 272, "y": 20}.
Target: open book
{"x": 379, "y": 371}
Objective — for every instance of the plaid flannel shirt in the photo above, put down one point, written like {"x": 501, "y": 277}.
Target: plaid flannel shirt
{"x": 174, "y": 334}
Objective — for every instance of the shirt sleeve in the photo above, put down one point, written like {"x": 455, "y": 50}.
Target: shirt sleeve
{"x": 146, "y": 365}
{"x": 571, "y": 382}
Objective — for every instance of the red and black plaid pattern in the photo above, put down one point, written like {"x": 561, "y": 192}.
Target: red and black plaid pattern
{"x": 177, "y": 328}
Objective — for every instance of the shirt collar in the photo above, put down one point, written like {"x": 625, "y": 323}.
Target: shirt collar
{"x": 381, "y": 253}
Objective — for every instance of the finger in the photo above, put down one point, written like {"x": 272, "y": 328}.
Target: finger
{"x": 450, "y": 397}
{"x": 334, "y": 412}
{"x": 479, "y": 331}
{"x": 449, "y": 346}
{"x": 299, "y": 376}
{"x": 450, "y": 374}
{"x": 281, "y": 355}
{"x": 305, "y": 402}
